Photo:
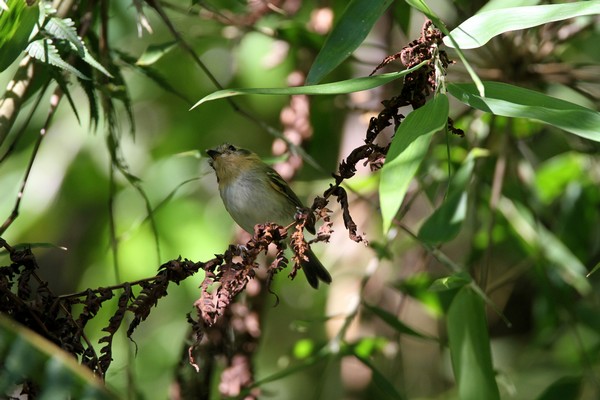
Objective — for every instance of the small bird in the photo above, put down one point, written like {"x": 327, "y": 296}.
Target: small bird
{"x": 254, "y": 193}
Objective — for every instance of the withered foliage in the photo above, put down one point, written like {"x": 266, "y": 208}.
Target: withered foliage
{"x": 233, "y": 338}
{"x": 417, "y": 86}
{"x": 27, "y": 299}
{"x": 222, "y": 327}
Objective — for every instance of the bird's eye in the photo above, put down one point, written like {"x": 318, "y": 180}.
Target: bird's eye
{"x": 232, "y": 148}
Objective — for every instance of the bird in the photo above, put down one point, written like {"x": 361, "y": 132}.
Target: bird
{"x": 254, "y": 193}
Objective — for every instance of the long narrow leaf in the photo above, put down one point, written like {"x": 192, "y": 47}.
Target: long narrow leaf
{"x": 349, "y": 32}
{"x": 380, "y": 380}
{"x": 155, "y": 52}
{"x": 470, "y": 347}
{"x": 321, "y": 355}
{"x": 565, "y": 388}
{"x": 88, "y": 58}
{"x": 341, "y": 87}
{"x": 541, "y": 240}
{"x": 513, "y": 101}
{"x": 395, "y": 323}
{"x": 445, "y": 222}
{"x": 479, "y": 29}
{"x": 23, "y": 353}
{"x": 407, "y": 150}
{"x": 16, "y": 23}
{"x": 499, "y": 4}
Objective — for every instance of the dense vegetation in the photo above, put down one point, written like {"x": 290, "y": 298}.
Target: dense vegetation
{"x": 448, "y": 152}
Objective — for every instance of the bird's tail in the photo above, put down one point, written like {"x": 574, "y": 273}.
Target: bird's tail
{"x": 315, "y": 271}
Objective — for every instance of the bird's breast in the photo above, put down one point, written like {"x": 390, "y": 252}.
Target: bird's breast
{"x": 252, "y": 201}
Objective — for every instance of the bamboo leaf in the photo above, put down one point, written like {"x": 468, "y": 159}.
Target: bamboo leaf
{"x": 480, "y": 28}
{"x": 565, "y": 388}
{"x": 406, "y": 152}
{"x": 16, "y": 24}
{"x": 469, "y": 344}
{"x": 445, "y": 222}
{"x": 540, "y": 240}
{"x": 155, "y": 52}
{"x": 24, "y": 353}
{"x": 512, "y": 101}
{"x": 349, "y": 32}
{"x": 341, "y": 87}
{"x": 395, "y": 323}
{"x": 451, "y": 282}
{"x": 380, "y": 380}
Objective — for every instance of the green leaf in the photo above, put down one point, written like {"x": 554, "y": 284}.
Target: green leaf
{"x": 401, "y": 12}
{"x": 498, "y": 4}
{"x": 89, "y": 88}
{"x": 43, "y": 50}
{"x": 152, "y": 74}
{"x": 445, "y": 222}
{"x": 34, "y": 245}
{"x": 565, "y": 388}
{"x": 155, "y": 52}
{"x": 554, "y": 175}
{"x": 341, "y": 87}
{"x": 406, "y": 152}
{"x": 512, "y": 101}
{"x": 87, "y": 57}
{"x": 469, "y": 344}
{"x": 322, "y": 355}
{"x": 64, "y": 29}
{"x": 451, "y": 282}
{"x": 480, "y": 28}
{"x": 349, "y": 32}
{"x": 395, "y": 323}
{"x": 593, "y": 271}
{"x": 24, "y": 353}
{"x": 417, "y": 286}
{"x": 424, "y": 8}
{"x": 62, "y": 83}
{"x": 380, "y": 380}
{"x": 16, "y": 25}
{"x": 541, "y": 240}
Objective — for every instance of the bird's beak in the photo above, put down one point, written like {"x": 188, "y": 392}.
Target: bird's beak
{"x": 212, "y": 153}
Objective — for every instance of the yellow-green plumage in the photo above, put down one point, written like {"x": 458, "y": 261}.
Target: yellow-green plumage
{"x": 253, "y": 193}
